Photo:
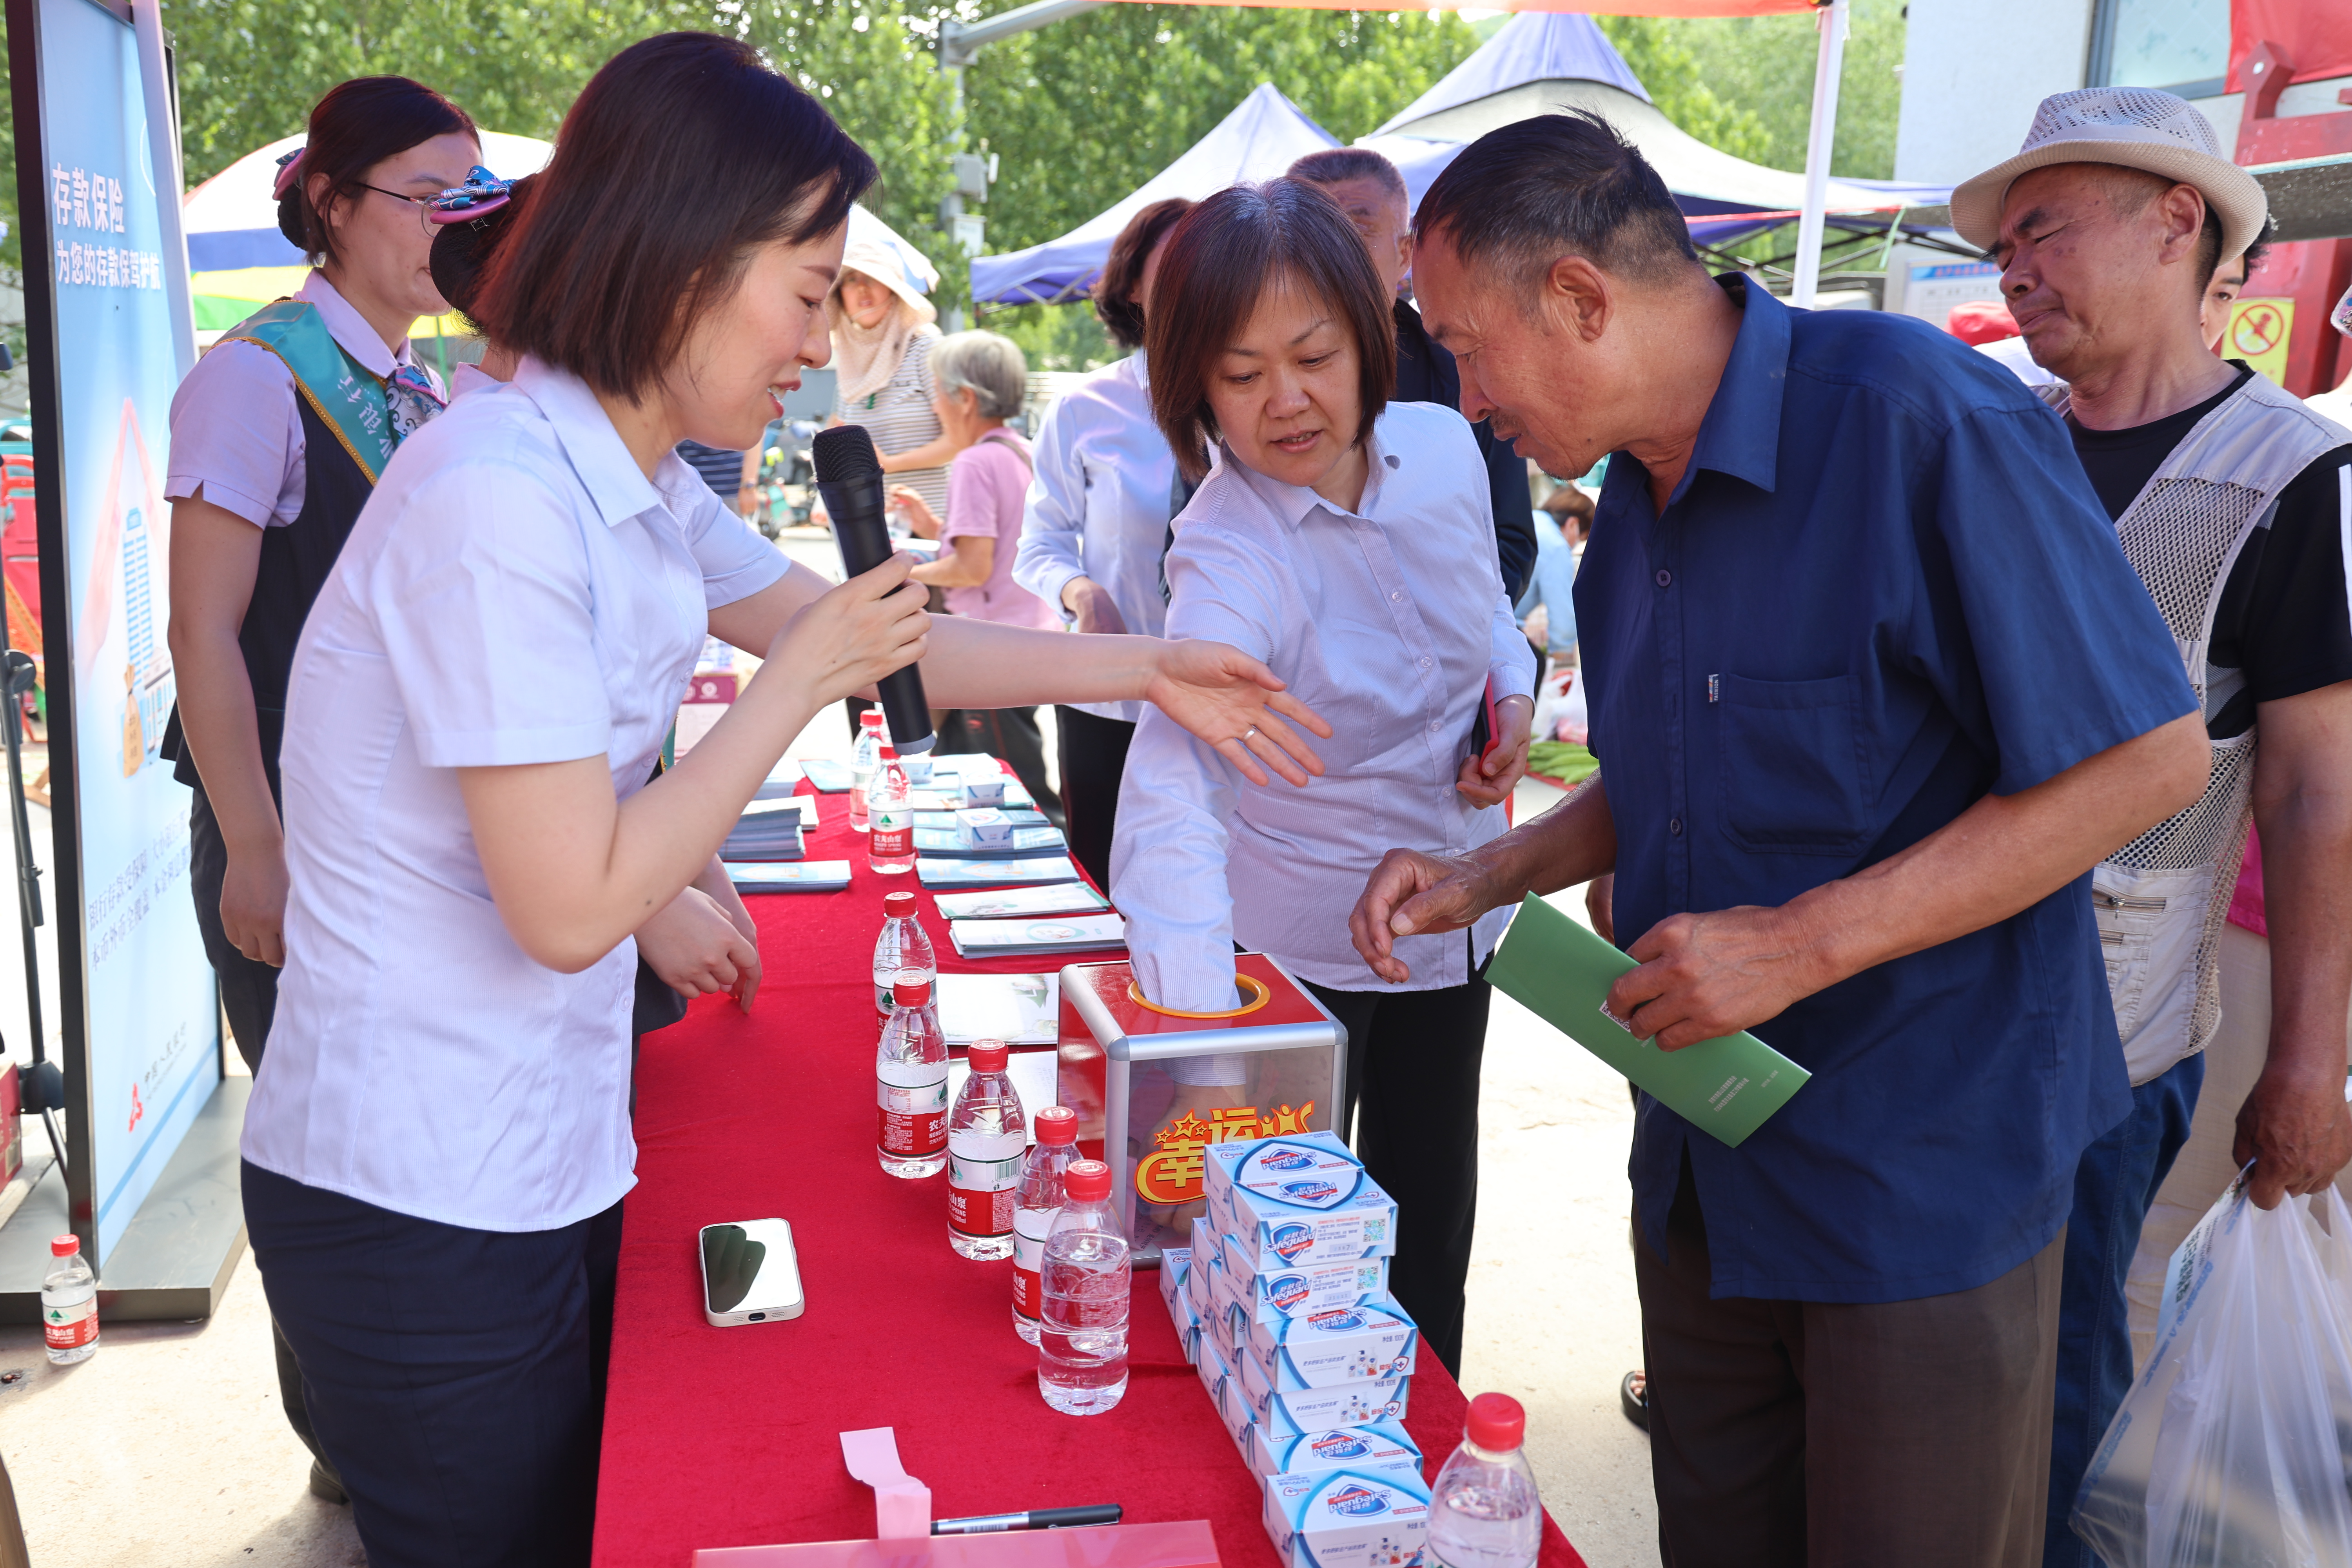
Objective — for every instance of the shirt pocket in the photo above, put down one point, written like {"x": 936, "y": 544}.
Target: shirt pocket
{"x": 1795, "y": 773}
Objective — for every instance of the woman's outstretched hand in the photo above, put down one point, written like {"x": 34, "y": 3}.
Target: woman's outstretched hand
{"x": 851, "y": 636}
{"x": 1231, "y": 701}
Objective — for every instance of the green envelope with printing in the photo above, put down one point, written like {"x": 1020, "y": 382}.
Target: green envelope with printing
{"x": 1561, "y": 972}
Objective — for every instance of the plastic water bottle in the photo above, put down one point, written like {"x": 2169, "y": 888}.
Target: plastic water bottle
{"x": 903, "y": 944}
{"x": 890, "y": 816}
{"x": 69, "y": 1305}
{"x": 1084, "y": 1279}
{"x": 987, "y": 1135}
{"x": 863, "y": 760}
{"x": 1035, "y": 1202}
{"x": 911, "y": 1076}
{"x": 1483, "y": 1511}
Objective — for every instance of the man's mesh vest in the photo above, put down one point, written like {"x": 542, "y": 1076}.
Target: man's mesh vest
{"x": 2163, "y": 899}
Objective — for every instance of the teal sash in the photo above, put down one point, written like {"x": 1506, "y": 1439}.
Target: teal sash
{"x": 348, "y": 397}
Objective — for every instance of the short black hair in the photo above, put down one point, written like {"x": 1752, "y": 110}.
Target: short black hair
{"x": 1557, "y": 185}
{"x": 1114, "y": 306}
{"x": 683, "y": 153}
{"x": 356, "y": 126}
{"x": 1229, "y": 251}
{"x": 462, "y": 251}
{"x": 1335, "y": 166}
{"x": 2258, "y": 247}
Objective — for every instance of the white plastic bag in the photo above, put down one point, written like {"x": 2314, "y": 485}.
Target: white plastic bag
{"x": 2234, "y": 1446}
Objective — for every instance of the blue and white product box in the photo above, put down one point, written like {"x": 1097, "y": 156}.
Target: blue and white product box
{"x": 1383, "y": 1445}
{"x": 1175, "y": 1262}
{"x": 984, "y": 827}
{"x": 1356, "y": 1343}
{"x": 1295, "y": 1411}
{"x": 1234, "y": 1410}
{"x": 1299, "y": 1200}
{"x": 1270, "y": 1295}
{"x": 982, "y": 791}
{"x": 1214, "y": 1370}
{"x": 1188, "y": 1325}
{"x": 1200, "y": 1281}
{"x": 1348, "y": 1518}
{"x": 1223, "y": 1325}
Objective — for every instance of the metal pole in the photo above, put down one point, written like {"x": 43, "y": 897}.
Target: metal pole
{"x": 1831, "y": 20}
{"x": 164, "y": 161}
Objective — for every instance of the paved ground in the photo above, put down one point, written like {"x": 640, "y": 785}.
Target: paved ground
{"x": 169, "y": 1448}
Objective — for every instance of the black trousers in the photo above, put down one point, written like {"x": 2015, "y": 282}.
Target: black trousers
{"x": 1827, "y": 1434}
{"x": 1094, "y": 761}
{"x": 1412, "y": 1098}
{"x": 249, "y": 990}
{"x": 452, "y": 1373}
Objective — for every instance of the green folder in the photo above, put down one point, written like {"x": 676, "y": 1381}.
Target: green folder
{"x": 1561, "y": 972}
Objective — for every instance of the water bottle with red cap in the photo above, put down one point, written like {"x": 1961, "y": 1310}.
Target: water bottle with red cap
{"x": 1483, "y": 1511}
{"x": 69, "y": 1304}
{"x": 903, "y": 944}
{"x": 910, "y": 1082}
{"x": 987, "y": 1133}
{"x": 1084, "y": 1279}
{"x": 1035, "y": 1201}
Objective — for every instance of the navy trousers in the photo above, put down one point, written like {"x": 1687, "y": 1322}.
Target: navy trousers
{"x": 451, "y": 1374}
{"x": 2113, "y": 1188}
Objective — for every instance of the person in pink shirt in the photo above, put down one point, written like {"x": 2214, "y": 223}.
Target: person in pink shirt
{"x": 980, "y": 379}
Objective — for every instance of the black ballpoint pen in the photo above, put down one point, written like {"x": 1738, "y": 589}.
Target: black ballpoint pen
{"x": 1034, "y": 1519}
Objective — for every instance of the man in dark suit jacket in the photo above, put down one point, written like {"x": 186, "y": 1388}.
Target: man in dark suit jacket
{"x": 1371, "y": 193}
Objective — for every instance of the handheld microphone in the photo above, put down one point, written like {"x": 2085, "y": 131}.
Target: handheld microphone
{"x": 849, "y": 479}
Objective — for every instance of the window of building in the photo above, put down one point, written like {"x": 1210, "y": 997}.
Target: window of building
{"x": 2180, "y": 46}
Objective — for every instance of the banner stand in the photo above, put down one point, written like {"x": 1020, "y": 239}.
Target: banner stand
{"x": 153, "y": 1120}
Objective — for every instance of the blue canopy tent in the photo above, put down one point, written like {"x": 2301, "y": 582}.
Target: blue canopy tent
{"x": 1257, "y": 141}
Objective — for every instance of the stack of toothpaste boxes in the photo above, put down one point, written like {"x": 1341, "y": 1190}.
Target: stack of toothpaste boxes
{"x": 1282, "y": 1303}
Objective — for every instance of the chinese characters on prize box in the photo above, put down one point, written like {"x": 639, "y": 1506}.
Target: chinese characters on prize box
{"x": 82, "y": 200}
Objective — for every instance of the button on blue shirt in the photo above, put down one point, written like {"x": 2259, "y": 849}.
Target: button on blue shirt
{"x": 1882, "y": 590}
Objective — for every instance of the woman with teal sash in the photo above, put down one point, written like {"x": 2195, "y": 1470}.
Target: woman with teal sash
{"x": 278, "y": 437}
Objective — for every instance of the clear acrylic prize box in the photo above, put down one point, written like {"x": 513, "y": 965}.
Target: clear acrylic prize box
{"x": 1153, "y": 1088}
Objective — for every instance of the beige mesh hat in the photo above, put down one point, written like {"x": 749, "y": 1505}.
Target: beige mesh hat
{"x": 2134, "y": 126}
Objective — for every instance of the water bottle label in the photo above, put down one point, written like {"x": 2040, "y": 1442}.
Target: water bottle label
{"x": 982, "y": 1173}
{"x": 1029, "y": 1229}
{"x": 69, "y": 1328}
{"x": 894, "y": 831}
{"x": 913, "y": 1116}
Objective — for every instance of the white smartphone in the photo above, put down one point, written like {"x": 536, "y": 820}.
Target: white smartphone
{"x": 749, "y": 1273}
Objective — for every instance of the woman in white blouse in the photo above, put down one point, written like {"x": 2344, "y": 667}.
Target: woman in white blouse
{"x": 1348, "y": 541}
{"x": 476, "y": 704}
{"x": 1096, "y": 521}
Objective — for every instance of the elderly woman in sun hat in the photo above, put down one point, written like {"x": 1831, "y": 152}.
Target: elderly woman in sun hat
{"x": 882, "y": 339}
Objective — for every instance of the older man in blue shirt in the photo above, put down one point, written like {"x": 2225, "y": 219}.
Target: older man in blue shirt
{"x": 1873, "y": 687}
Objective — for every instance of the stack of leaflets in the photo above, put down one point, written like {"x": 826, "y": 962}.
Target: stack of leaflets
{"x": 1020, "y": 843}
{"x": 945, "y": 821}
{"x": 824, "y": 777}
{"x": 1059, "y": 899}
{"x": 781, "y": 780}
{"x": 788, "y": 876}
{"x": 768, "y": 830}
{"x": 1019, "y": 1009}
{"x": 1020, "y": 938}
{"x": 939, "y": 871}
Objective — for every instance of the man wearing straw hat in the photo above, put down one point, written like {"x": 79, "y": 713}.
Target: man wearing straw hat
{"x": 2234, "y": 503}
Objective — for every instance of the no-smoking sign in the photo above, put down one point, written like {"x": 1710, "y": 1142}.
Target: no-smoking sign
{"x": 2258, "y": 330}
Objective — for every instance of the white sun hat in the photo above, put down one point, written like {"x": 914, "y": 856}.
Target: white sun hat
{"x": 2136, "y": 127}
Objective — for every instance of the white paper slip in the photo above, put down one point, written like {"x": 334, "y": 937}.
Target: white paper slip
{"x": 1059, "y": 899}
{"x": 788, "y": 876}
{"x": 1019, "y": 1009}
{"x": 936, "y": 872}
{"x": 1007, "y": 939}
{"x": 833, "y": 778}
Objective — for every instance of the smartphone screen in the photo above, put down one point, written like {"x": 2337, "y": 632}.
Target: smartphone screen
{"x": 748, "y": 1272}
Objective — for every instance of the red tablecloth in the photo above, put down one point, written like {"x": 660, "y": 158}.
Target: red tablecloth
{"x": 730, "y": 1436}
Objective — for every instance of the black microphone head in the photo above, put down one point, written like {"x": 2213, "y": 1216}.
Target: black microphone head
{"x": 844, "y": 453}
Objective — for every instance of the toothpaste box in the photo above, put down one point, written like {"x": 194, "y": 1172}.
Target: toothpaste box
{"x": 1292, "y": 1412}
{"x": 985, "y": 827}
{"x": 1381, "y": 1445}
{"x": 1299, "y": 1200}
{"x": 982, "y": 791}
{"x": 1355, "y": 1343}
{"x": 1348, "y": 1518}
{"x": 1270, "y": 1295}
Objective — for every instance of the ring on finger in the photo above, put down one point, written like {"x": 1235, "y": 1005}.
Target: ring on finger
{"x": 1245, "y": 734}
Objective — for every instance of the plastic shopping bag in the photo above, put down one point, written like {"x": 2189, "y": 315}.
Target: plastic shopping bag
{"x": 2234, "y": 1446}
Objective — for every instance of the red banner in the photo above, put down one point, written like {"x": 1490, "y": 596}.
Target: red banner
{"x": 1589, "y": 7}
{"x": 2314, "y": 35}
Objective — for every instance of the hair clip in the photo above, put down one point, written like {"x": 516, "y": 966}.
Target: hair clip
{"x": 482, "y": 195}
{"x": 2341, "y": 318}
{"x": 284, "y": 182}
